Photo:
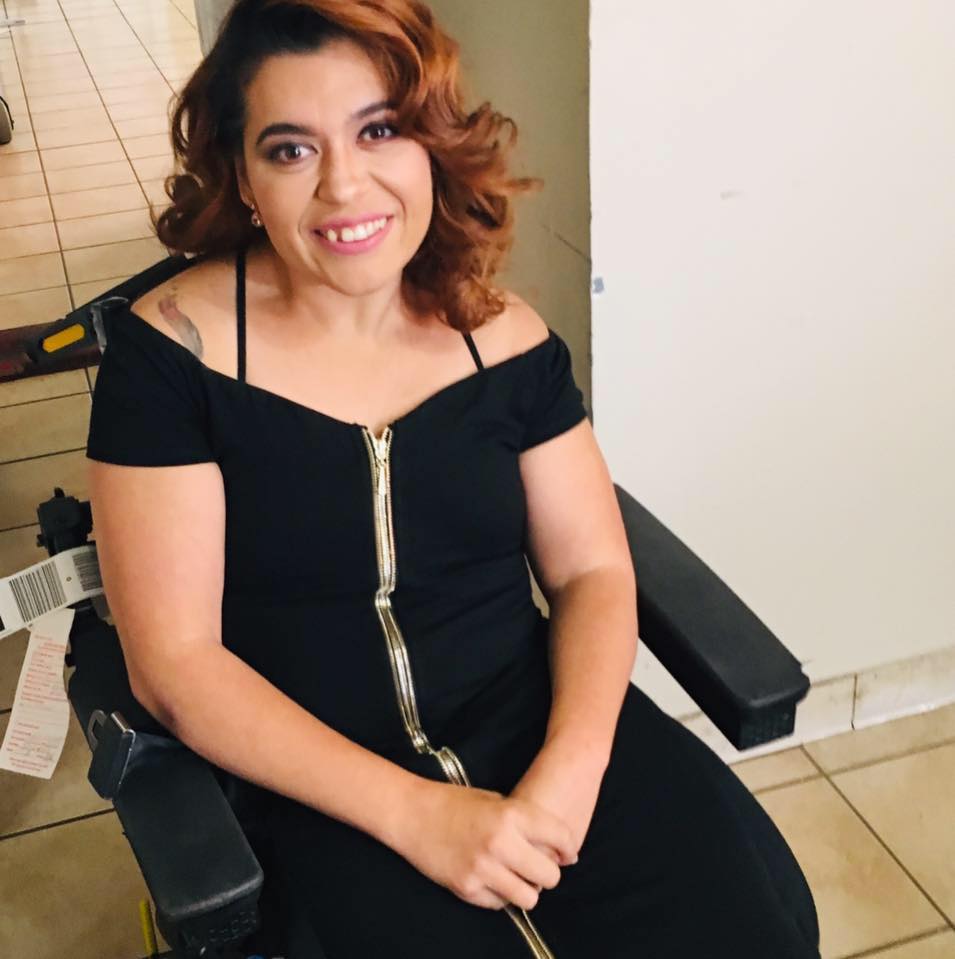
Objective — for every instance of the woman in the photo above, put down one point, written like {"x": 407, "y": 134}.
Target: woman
{"x": 360, "y": 439}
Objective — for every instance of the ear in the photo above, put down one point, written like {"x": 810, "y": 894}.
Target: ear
{"x": 242, "y": 179}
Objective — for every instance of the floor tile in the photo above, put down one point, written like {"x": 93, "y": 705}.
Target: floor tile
{"x": 777, "y": 769}
{"x": 28, "y": 240}
{"x": 42, "y": 387}
{"x": 28, "y": 483}
{"x": 136, "y": 92}
{"x": 64, "y": 158}
{"x": 153, "y": 168}
{"x": 23, "y": 212}
{"x": 90, "y": 177}
{"x": 155, "y": 105}
{"x": 112, "y": 199}
{"x": 874, "y": 743}
{"x": 58, "y": 119}
{"x": 17, "y": 163}
{"x": 75, "y": 135}
{"x": 39, "y": 272}
{"x": 84, "y": 292}
{"x": 155, "y": 191}
{"x": 908, "y": 802}
{"x": 52, "y": 87}
{"x": 850, "y": 873}
{"x": 21, "y": 186}
{"x": 142, "y": 126}
{"x": 44, "y": 426}
{"x": 112, "y": 259}
{"x": 105, "y": 228}
{"x": 113, "y": 81}
{"x": 939, "y": 946}
{"x": 27, "y": 802}
{"x": 71, "y": 891}
{"x": 22, "y": 142}
{"x": 63, "y": 101}
{"x": 37, "y": 306}
{"x": 156, "y": 145}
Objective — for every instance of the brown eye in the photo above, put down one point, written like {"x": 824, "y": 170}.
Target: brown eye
{"x": 388, "y": 129}
{"x": 283, "y": 153}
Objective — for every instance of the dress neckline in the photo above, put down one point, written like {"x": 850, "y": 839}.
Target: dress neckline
{"x": 262, "y": 391}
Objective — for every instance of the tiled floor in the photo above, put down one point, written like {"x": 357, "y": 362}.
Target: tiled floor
{"x": 869, "y": 814}
{"x": 89, "y": 84}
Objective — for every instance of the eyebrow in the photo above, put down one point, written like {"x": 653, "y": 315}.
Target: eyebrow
{"x": 294, "y": 128}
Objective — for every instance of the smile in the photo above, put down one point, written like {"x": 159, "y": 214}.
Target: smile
{"x": 356, "y": 239}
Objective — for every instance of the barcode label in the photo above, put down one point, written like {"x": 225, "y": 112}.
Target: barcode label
{"x": 37, "y": 591}
{"x": 87, "y": 568}
{"x": 51, "y": 584}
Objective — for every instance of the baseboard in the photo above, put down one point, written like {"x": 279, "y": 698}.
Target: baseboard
{"x": 853, "y": 701}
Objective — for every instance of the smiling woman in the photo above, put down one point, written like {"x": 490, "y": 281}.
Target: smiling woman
{"x": 344, "y": 620}
{"x": 445, "y": 186}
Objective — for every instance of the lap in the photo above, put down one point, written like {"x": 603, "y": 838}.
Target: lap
{"x": 680, "y": 861}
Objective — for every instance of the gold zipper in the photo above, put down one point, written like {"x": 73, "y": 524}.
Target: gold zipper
{"x": 379, "y": 450}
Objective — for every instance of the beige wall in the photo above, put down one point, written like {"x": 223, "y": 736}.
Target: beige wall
{"x": 773, "y": 352}
{"x": 530, "y": 59}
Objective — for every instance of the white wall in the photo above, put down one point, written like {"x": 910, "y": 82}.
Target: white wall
{"x": 773, "y": 187}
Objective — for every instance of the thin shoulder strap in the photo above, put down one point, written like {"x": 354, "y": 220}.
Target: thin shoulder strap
{"x": 474, "y": 353}
{"x": 240, "y": 311}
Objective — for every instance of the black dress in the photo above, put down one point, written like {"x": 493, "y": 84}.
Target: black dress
{"x": 381, "y": 583}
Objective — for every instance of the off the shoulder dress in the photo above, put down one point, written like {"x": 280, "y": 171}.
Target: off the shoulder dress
{"x": 381, "y": 583}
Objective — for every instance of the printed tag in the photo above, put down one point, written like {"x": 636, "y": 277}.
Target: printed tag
{"x": 41, "y": 712}
{"x": 51, "y": 584}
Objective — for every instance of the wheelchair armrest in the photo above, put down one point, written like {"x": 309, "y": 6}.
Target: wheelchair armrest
{"x": 201, "y": 871}
{"x": 713, "y": 645}
{"x": 197, "y": 862}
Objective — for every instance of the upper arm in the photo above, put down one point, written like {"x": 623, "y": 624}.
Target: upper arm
{"x": 160, "y": 537}
{"x": 574, "y": 523}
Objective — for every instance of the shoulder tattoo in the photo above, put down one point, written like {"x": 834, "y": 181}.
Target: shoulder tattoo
{"x": 184, "y": 327}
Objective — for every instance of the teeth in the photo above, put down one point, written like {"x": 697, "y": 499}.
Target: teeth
{"x": 361, "y": 232}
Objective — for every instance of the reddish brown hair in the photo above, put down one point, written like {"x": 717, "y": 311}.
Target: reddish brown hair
{"x": 472, "y": 226}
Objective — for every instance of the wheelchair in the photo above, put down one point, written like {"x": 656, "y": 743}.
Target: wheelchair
{"x": 193, "y": 827}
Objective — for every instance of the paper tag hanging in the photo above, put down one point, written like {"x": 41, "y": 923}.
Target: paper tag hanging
{"x": 41, "y": 712}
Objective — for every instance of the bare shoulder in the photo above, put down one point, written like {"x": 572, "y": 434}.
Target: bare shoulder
{"x": 189, "y": 307}
{"x": 518, "y": 329}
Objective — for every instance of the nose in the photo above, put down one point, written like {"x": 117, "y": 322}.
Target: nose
{"x": 343, "y": 174}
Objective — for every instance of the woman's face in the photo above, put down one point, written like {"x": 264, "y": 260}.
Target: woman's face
{"x": 325, "y": 168}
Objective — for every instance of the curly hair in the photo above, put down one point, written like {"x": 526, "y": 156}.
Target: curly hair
{"x": 471, "y": 229}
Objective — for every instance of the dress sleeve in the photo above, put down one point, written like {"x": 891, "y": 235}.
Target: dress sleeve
{"x": 149, "y": 406}
{"x": 555, "y": 403}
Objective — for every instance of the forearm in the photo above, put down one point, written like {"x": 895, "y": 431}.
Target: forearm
{"x": 231, "y": 715}
{"x": 593, "y": 644}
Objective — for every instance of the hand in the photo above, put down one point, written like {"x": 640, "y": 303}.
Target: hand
{"x": 488, "y": 849}
{"x": 565, "y": 783}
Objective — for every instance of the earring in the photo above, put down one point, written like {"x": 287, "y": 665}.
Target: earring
{"x": 256, "y": 219}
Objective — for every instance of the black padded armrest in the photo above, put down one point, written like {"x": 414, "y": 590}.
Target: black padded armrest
{"x": 713, "y": 645}
{"x": 202, "y": 873}
{"x": 203, "y": 876}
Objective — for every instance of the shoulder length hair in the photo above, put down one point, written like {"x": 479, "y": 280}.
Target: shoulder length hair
{"x": 472, "y": 226}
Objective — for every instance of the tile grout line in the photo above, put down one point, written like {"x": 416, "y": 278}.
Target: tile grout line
{"x": 941, "y": 912}
{"x": 895, "y": 943}
{"x": 57, "y": 824}
{"x": 112, "y": 123}
{"x": 39, "y": 156}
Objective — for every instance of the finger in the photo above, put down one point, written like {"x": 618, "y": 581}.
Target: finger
{"x": 511, "y": 887}
{"x": 487, "y": 899}
{"x": 544, "y": 827}
{"x": 535, "y": 865}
